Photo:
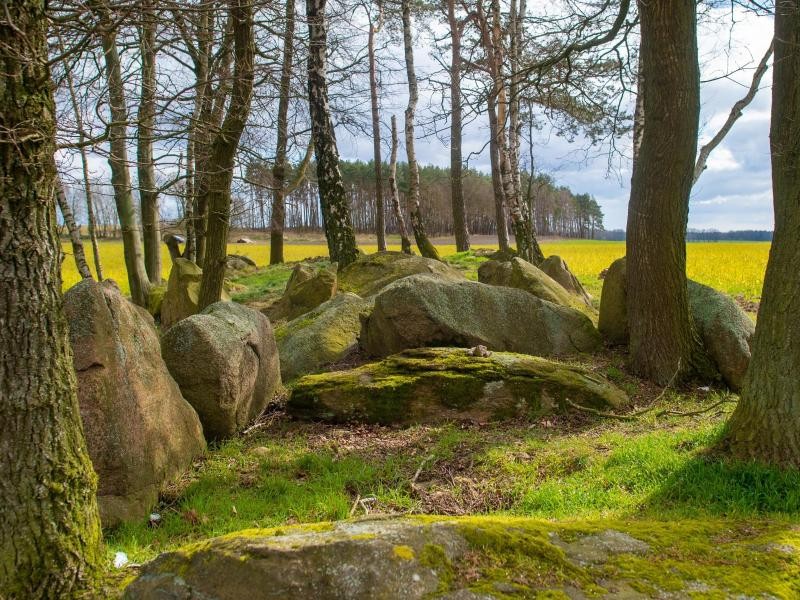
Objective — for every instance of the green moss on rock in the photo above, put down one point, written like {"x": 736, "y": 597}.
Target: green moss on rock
{"x": 437, "y": 384}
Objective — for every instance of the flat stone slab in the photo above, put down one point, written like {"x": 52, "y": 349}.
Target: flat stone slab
{"x": 430, "y": 385}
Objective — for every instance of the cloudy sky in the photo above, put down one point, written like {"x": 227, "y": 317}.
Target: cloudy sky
{"x": 735, "y": 190}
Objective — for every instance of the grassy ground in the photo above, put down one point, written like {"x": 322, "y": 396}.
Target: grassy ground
{"x": 734, "y": 267}
{"x": 284, "y": 472}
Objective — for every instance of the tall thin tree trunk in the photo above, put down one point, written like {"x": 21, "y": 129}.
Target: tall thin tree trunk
{"x": 405, "y": 243}
{"x": 118, "y": 161}
{"x": 278, "y": 218}
{"x": 50, "y": 526}
{"x": 146, "y": 121}
{"x": 663, "y": 343}
{"x": 87, "y": 184}
{"x": 766, "y": 424}
{"x": 426, "y": 248}
{"x": 74, "y": 233}
{"x": 223, "y": 154}
{"x": 336, "y": 218}
{"x": 189, "y": 250}
{"x": 460, "y": 230}
{"x": 380, "y": 210}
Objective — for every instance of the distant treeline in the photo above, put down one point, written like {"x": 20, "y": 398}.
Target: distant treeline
{"x": 703, "y": 235}
{"x": 558, "y": 211}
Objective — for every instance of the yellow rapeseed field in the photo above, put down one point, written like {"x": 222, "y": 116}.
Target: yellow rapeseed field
{"x": 733, "y": 267}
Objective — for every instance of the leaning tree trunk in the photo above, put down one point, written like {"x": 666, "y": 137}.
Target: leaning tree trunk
{"x": 663, "y": 344}
{"x": 380, "y": 217}
{"x": 426, "y": 248}
{"x": 333, "y": 199}
{"x": 50, "y": 526}
{"x": 146, "y": 120}
{"x": 118, "y": 162}
{"x": 460, "y": 230}
{"x": 278, "y": 218}
{"x": 766, "y": 424}
{"x": 74, "y": 233}
{"x": 405, "y": 243}
{"x": 87, "y": 183}
{"x": 223, "y": 153}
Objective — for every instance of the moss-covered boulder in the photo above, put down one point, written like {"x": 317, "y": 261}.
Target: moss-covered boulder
{"x": 238, "y": 264}
{"x": 371, "y": 273}
{"x": 520, "y": 274}
{"x": 225, "y": 361}
{"x": 557, "y": 269}
{"x": 183, "y": 291}
{"x": 155, "y": 298}
{"x": 613, "y": 320}
{"x": 726, "y": 331}
{"x": 480, "y": 558}
{"x": 139, "y": 429}
{"x": 420, "y": 311}
{"x": 322, "y": 336}
{"x": 306, "y": 289}
{"x": 432, "y": 385}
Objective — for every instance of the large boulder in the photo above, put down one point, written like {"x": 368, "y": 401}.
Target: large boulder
{"x": 238, "y": 264}
{"x": 613, "y": 320}
{"x": 183, "y": 291}
{"x": 139, "y": 429}
{"x": 420, "y": 311}
{"x": 371, "y": 273}
{"x": 478, "y": 558}
{"x": 226, "y": 363}
{"x": 520, "y": 274}
{"x": 557, "y": 269}
{"x": 725, "y": 329}
{"x": 431, "y": 385}
{"x": 322, "y": 336}
{"x": 306, "y": 289}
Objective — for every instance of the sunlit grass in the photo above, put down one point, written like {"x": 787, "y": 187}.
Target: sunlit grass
{"x": 733, "y": 267}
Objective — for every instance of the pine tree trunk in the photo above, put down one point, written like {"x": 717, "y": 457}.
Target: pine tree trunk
{"x": 405, "y": 243}
{"x": 460, "y": 229}
{"x": 766, "y": 424}
{"x": 74, "y": 233}
{"x": 148, "y": 188}
{"x": 50, "y": 528}
{"x": 380, "y": 217}
{"x": 278, "y": 219}
{"x": 426, "y": 248}
{"x": 223, "y": 153}
{"x": 335, "y": 208}
{"x": 662, "y": 340}
{"x": 118, "y": 162}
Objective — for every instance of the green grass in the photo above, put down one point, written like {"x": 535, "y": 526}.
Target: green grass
{"x": 655, "y": 468}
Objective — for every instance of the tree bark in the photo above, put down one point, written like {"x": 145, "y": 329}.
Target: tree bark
{"x": 764, "y": 426}
{"x": 278, "y": 219}
{"x": 74, "y": 233}
{"x": 335, "y": 208}
{"x": 457, "y": 203}
{"x": 405, "y": 243}
{"x": 146, "y": 121}
{"x": 380, "y": 217}
{"x": 426, "y": 248}
{"x": 223, "y": 154}
{"x": 50, "y": 528}
{"x": 663, "y": 344}
{"x": 118, "y": 162}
